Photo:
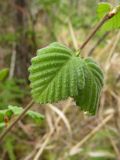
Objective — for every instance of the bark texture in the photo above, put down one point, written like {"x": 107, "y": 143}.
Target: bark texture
{"x": 24, "y": 45}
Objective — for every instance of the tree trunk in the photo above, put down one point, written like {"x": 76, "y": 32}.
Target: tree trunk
{"x": 24, "y": 43}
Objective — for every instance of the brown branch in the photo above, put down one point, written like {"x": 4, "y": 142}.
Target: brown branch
{"x": 105, "y": 18}
{"x": 7, "y": 130}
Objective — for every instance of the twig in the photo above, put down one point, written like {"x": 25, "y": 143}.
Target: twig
{"x": 105, "y": 18}
{"x": 7, "y": 130}
{"x": 43, "y": 146}
{"x": 12, "y": 65}
{"x": 73, "y": 35}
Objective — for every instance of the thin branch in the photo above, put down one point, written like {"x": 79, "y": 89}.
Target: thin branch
{"x": 37, "y": 156}
{"x": 74, "y": 40}
{"x": 13, "y": 60}
{"x": 98, "y": 26}
{"x": 5, "y": 132}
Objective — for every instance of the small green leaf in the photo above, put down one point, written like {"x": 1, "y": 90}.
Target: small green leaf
{"x": 114, "y": 22}
{"x": 103, "y": 8}
{"x": 15, "y": 111}
{"x": 10, "y": 148}
{"x": 5, "y": 112}
{"x": 9, "y": 113}
{"x": 2, "y": 125}
{"x": 3, "y": 73}
{"x": 35, "y": 116}
{"x": 32, "y": 114}
{"x": 57, "y": 73}
{"x": 2, "y": 116}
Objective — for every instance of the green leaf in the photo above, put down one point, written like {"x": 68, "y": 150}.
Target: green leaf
{"x": 5, "y": 112}
{"x": 37, "y": 117}
{"x": 53, "y": 74}
{"x": 10, "y": 148}
{"x": 2, "y": 125}
{"x": 3, "y": 73}
{"x": 114, "y": 22}
{"x": 103, "y": 8}
{"x": 2, "y": 116}
{"x": 32, "y": 114}
{"x": 57, "y": 73}
{"x": 88, "y": 98}
{"x": 15, "y": 111}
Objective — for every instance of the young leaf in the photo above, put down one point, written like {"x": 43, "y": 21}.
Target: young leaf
{"x": 2, "y": 116}
{"x": 103, "y": 8}
{"x": 57, "y": 73}
{"x": 15, "y": 111}
{"x": 2, "y": 125}
{"x": 114, "y": 22}
{"x": 37, "y": 117}
{"x": 5, "y": 112}
{"x": 3, "y": 73}
{"x": 32, "y": 114}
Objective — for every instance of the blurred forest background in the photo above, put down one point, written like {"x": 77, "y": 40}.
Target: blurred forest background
{"x": 28, "y": 25}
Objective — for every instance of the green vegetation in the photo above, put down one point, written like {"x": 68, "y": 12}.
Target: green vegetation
{"x": 15, "y": 111}
{"x": 57, "y": 73}
{"x": 65, "y": 78}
